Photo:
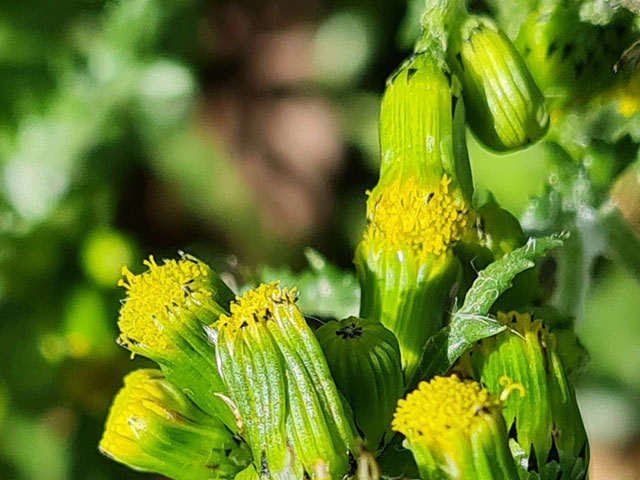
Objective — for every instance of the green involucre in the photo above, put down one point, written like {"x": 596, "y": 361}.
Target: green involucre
{"x": 545, "y": 421}
{"x": 364, "y": 358}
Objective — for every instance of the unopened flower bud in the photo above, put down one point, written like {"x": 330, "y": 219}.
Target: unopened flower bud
{"x": 545, "y": 422}
{"x": 505, "y": 108}
{"x": 364, "y": 358}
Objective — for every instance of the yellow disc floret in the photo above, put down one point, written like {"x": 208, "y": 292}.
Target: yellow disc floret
{"x": 406, "y": 215}
{"x": 256, "y": 306}
{"x": 155, "y": 294}
{"x": 525, "y": 325}
{"x": 443, "y": 407}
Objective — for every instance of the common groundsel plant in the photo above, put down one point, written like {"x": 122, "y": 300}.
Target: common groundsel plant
{"x": 462, "y": 360}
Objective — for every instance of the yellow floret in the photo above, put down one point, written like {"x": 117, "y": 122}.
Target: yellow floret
{"x": 443, "y": 407}
{"x": 405, "y": 214}
{"x": 526, "y": 326}
{"x": 256, "y": 306}
{"x": 154, "y": 294}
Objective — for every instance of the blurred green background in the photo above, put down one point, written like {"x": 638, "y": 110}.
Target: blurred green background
{"x": 237, "y": 130}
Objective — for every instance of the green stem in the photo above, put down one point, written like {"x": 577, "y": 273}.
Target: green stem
{"x": 440, "y": 19}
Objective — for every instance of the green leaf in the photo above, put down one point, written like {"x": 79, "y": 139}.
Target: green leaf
{"x": 471, "y": 323}
{"x": 325, "y": 290}
{"x": 497, "y": 277}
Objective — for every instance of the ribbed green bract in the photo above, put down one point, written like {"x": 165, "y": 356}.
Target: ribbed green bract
{"x": 364, "y": 358}
{"x": 410, "y": 299}
{"x": 505, "y": 108}
{"x": 545, "y": 421}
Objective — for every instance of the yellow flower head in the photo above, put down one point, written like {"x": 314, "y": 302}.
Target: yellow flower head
{"x": 256, "y": 307}
{"x": 442, "y": 409}
{"x": 407, "y": 215}
{"x": 155, "y": 295}
{"x": 130, "y": 421}
{"x": 152, "y": 426}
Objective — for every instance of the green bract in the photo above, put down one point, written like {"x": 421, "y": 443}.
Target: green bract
{"x": 365, "y": 362}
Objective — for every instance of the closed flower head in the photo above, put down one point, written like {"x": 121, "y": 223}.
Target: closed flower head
{"x": 156, "y": 296}
{"x": 164, "y": 318}
{"x": 153, "y": 427}
{"x": 288, "y": 407}
{"x": 455, "y": 430}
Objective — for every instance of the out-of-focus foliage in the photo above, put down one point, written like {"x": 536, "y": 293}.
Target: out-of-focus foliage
{"x": 141, "y": 126}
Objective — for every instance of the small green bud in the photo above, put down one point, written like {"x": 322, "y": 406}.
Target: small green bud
{"x": 280, "y": 386}
{"x": 364, "y": 358}
{"x": 153, "y": 427}
{"x": 544, "y": 422}
{"x": 455, "y": 430}
{"x": 164, "y": 317}
{"x": 504, "y": 105}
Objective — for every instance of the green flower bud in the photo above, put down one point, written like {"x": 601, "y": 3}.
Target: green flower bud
{"x": 288, "y": 407}
{"x": 505, "y": 107}
{"x": 153, "y": 427}
{"x": 570, "y": 58}
{"x": 455, "y": 430}
{"x": 364, "y": 358}
{"x": 164, "y": 317}
{"x": 545, "y": 421}
{"x": 417, "y": 211}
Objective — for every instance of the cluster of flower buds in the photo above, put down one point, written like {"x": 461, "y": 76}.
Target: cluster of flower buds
{"x": 246, "y": 370}
{"x": 247, "y": 390}
{"x": 425, "y": 239}
{"x": 420, "y": 217}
